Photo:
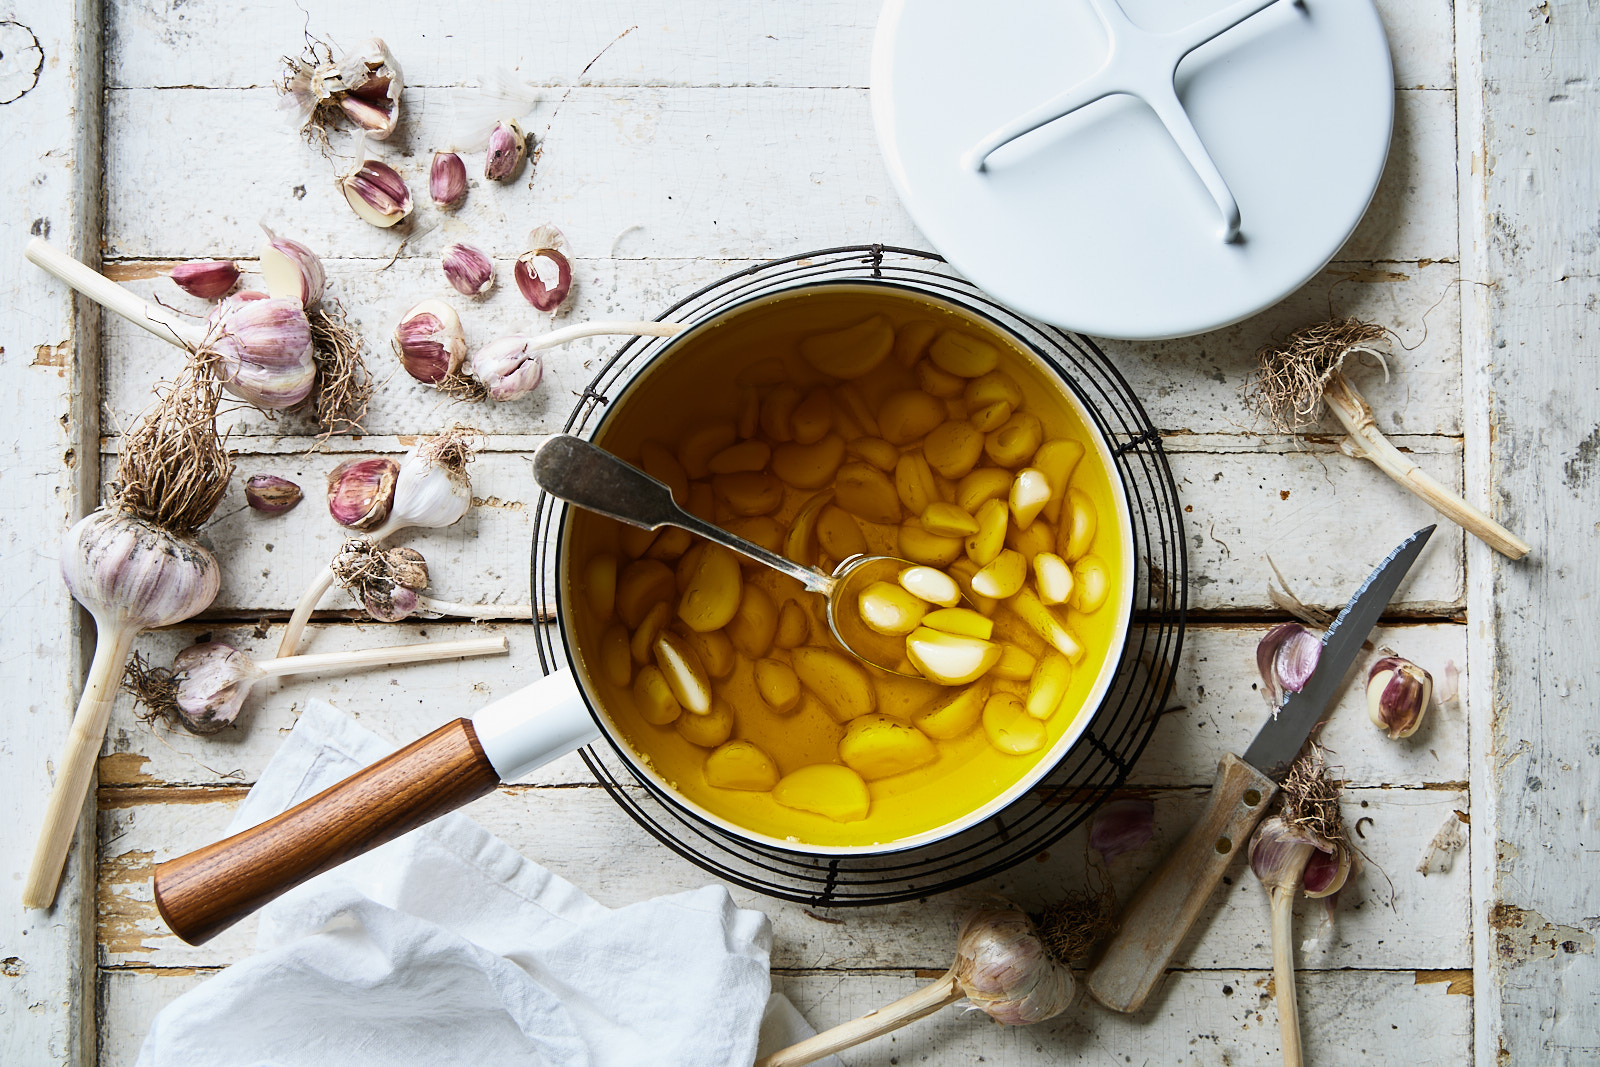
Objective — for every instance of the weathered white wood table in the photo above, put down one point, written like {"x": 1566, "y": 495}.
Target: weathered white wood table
{"x": 140, "y": 132}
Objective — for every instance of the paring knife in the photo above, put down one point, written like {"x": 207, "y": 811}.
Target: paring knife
{"x": 1166, "y": 906}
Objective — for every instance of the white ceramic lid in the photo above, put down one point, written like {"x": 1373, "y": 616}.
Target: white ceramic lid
{"x": 1202, "y": 199}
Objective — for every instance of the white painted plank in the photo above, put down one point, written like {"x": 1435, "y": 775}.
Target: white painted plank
{"x": 1215, "y": 707}
{"x": 1190, "y": 385}
{"x": 1201, "y": 1018}
{"x": 48, "y": 378}
{"x": 826, "y": 43}
{"x": 650, "y": 172}
{"x": 581, "y": 834}
{"x": 1529, "y": 190}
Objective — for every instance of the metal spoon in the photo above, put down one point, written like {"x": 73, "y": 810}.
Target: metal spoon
{"x": 593, "y": 479}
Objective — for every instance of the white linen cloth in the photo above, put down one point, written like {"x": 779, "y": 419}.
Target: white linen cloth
{"x": 448, "y": 947}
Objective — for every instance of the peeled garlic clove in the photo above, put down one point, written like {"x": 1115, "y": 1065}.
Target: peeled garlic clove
{"x": 264, "y": 351}
{"x": 1121, "y": 826}
{"x": 1398, "y": 695}
{"x": 544, "y": 274}
{"x": 361, "y": 492}
{"x": 377, "y": 193}
{"x": 468, "y": 269}
{"x": 447, "y": 179}
{"x": 1004, "y": 968}
{"x": 270, "y": 494}
{"x": 212, "y": 681}
{"x": 1286, "y": 656}
{"x": 291, "y": 270}
{"x": 507, "y": 367}
{"x": 507, "y": 146}
{"x": 209, "y": 279}
{"x": 372, "y": 85}
{"x": 430, "y": 342}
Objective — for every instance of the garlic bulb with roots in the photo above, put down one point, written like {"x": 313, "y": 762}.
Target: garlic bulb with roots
{"x": 507, "y": 367}
{"x": 263, "y": 350}
{"x": 389, "y": 582}
{"x": 365, "y": 86}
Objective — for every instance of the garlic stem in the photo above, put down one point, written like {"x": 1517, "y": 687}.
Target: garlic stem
{"x": 113, "y": 642}
{"x": 907, "y": 1009}
{"x": 1355, "y": 414}
{"x": 596, "y": 329}
{"x": 474, "y": 611}
{"x": 302, "y": 611}
{"x": 381, "y": 657}
{"x": 165, "y": 324}
{"x": 1283, "y": 972}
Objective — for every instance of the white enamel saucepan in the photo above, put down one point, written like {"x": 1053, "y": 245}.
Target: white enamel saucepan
{"x": 204, "y": 892}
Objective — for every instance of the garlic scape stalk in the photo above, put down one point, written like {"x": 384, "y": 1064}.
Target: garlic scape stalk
{"x": 207, "y": 684}
{"x": 1302, "y": 376}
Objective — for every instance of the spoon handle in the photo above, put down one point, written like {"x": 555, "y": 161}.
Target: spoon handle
{"x": 593, "y": 479}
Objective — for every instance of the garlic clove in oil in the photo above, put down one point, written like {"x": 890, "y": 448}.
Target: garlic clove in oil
{"x": 447, "y": 179}
{"x": 430, "y": 342}
{"x": 264, "y": 351}
{"x": 361, "y": 492}
{"x": 1004, "y": 968}
{"x": 507, "y": 146}
{"x": 372, "y": 85}
{"x": 209, "y": 279}
{"x": 270, "y": 494}
{"x": 1286, "y": 656}
{"x": 1398, "y": 695}
{"x": 377, "y": 193}
{"x": 544, "y": 273}
{"x": 469, "y": 270}
{"x": 291, "y": 270}
{"x": 507, "y": 367}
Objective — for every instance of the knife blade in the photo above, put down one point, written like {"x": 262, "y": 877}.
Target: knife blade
{"x": 1158, "y": 918}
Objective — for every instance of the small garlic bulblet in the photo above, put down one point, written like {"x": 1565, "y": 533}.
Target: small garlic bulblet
{"x": 468, "y": 270}
{"x": 1005, "y": 969}
{"x": 1398, "y": 695}
{"x": 211, "y": 681}
{"x": 433, "y": 489}
{"x": 430, "y": 342}
{"x": 264, "y": 350}
{"x": 270, "y": 494}
{"x": 507, "y": 146}
{"x": 1286, "y": 656}
{"x": 447, "y": 179}
{"x": 544, "y": 274}
{"x": 361, "y": 492}
{"x": 507, "y": 367}
{"x": 377, "y": 193}
{"x": 292, "y": 271}
{"x": 209, "y": 279}
{"x": 385, "y": 580}
{"x": 126, "y": 570}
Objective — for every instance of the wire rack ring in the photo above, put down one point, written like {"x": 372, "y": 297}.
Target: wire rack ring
{"x": 1103, "y": 757}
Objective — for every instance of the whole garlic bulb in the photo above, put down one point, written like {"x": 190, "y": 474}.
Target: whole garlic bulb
{"x": 264, "y": 350}
{"x": 433, "y": 489}
{"x": 129, "y": 572}
{"x": 211, "y": 681}
{"x": 507, "y": 367}
{"x": 1004, "y": 968}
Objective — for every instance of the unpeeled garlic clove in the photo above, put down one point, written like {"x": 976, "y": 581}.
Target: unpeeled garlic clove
{"x": 447, "y": 179}
{"x": 507, "y": 367}
{"x": 372, "y": 85}
{"x": 264, "y": 350}
{"x": 291, "y": 270}
{"x": 1121, "y": 826}
{"x": 429, "y": 342}
{"x": 361, "y": 492}
{"x": 1327, "y": 872}
{"x": 209, "y": 279}
{"x": 507, "y": 146}
{"x": 1398, "y": 695}
{"x": 377, "y": 193}
{"x": 270, "y": 494}
{"x": 544, "y": 273}
{"x": 1286, "y": 656}
{"x": 468, "y": 269}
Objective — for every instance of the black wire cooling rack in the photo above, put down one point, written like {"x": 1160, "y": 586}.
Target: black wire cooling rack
{"x": 1103, "y": 756}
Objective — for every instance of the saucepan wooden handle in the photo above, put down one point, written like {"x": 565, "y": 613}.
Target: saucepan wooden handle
{"x": 1159, "y": 917}
{"x": 205, "y": 892}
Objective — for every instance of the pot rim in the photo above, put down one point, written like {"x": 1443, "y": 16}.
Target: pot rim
{"x": 1093, "y": 703}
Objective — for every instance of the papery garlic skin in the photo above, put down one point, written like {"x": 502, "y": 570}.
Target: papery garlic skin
{"x": 361, "y": 492}
{"x": 1004, "y": 968}
{"x": 544, "y": 273}
{"x": 125, "y": 570}
{"x": 1398, "y": 695}
{"x": 212, "y": 679}
{"x": 429, "y": 342}
{"x": 507, "y": 367}
{"x": 264, "y": 350}
{"x": 469, "y": 270}
{"x": 372, "y": 85}
{"x": 270, "y": 494}
{"x": 208, "y": 279}
{"x": 507, "y": 146}
{"x": 292, "y": 271}
{"x": 447, "y": 179}
{"x": 377, "y": 193}
{"x": 1286, "y": 656}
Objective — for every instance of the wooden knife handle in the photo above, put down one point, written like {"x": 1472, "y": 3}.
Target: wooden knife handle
{"x": 1158, "y": 918}
{"x": 210, "y": 889}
